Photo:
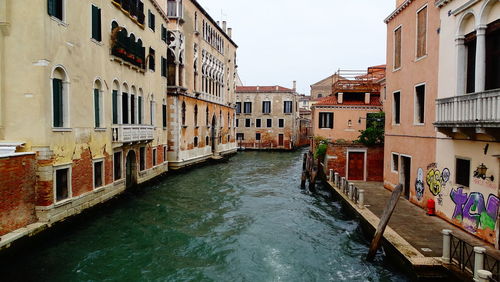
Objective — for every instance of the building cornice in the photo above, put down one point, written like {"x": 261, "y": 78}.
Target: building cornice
{"x": 442, "y": 3}
{"x": 398, "y": 11}
{"x": 159, "y": 10}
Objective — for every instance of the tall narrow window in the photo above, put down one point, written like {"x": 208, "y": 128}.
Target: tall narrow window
{"x": 396, "y": 108}
{"x": 266, "y": 107}
{"x": 115, "y": 106}
{"x": 124, "y": 108}
{"x": 247, "y": 107}
{"x": 98, "y": 174}
{"x": 196, "y": 115}
{"x": 96, "y": 23}
{"x": 422, "y": 32}
{"x": 257, "y": 136}
{"x": 248, "y": 122}
{"x": 154, "y": 157}
{"x": 62, "y": 184}
{"x": 55, "y": 8}
{"x": 237, "y": 123}
{"x": 57, "y": 97}
{"x": 152, "y": 112}
{"x": 462, "y": 172}
{"x": 132, "y": 109}
{"x": 258, "y": 123}
{"x": 117, "y": 165}
{"x": 395, "y": 162}
{"x": 470, "y": 45}
{"x": 183, "y": 114}
{"x": 151, "y": 59}
{"x": 164, "y": 114}
{"x": 142, "y": 158}
{"x": 281, "y": 123}
{"x": 269, "y": 123}
{"x": 163, "y": 33}
{"x": 151, "y": 20}
{"x": 97, "y": 108}
{"x": 163, "y": 67}
{"x": 325, "y": 120}
{"x": 493, "y": 55}
{"x": 139, "y": 110}
{"x": 206, "y": 116}
{"x": 420, "y": 104}
{"x": 397, "y": 48}
{"x": 287, "y": 107}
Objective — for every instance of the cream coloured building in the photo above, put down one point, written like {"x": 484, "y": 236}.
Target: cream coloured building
{"x": 466, "y": 174}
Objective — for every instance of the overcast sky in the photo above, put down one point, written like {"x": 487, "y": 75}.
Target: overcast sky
{"x": 305, "y": 40}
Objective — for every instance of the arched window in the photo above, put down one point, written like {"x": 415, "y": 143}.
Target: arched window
{"x": 196, "y": 115}
{"x": 114, "y": 99}
{"x": 98, "y": 105}
{"x": 125, "y": 104}
{"x": 114, "y": 25}
{"x": 60, "y": 98}
{"x": 183, "y": 114}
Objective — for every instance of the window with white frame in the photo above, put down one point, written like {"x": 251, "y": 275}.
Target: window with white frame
{"x": 56, "y": 8}
{"x": 266, "y": 107}
{"x": 98, "y": 173}
{"x": 287, "y": 107}
{"x": 397, "y": 48}
{"x": 248, "y": 122}
{"x": 420, "y": 104}
{"x": 96, "y": 23}
{"x": 60, "y": 97}
{"x": 247, "y": 109}
{"x": 155, "y": 157}
{"x": 98, "y": 105}
{"x": 325, "y": 120}
{"x": 62, "y": 183}
{"x": 422, "y": 32}
{"x": 281, "y": 123}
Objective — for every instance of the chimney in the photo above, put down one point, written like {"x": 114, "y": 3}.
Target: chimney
{"x": 277, "y": 88}
{"x": 230, "y": 32}
{"x": 224, "y": 26}
{"x": 367, "y": 98}
{"x": 258, "y": 88}
{"x": 294, "y": 85}
{"x": 340, "y": 98}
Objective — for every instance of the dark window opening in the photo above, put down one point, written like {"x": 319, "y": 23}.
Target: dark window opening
{"x": 98, "y": 174}
{"x": 269, "y": 123}
{"x": 142, "y": 158}
{"x": 420, "y": 104}
{"x": 257, "y": 136}
{"x": 57, "y": 100}
{"x": 238, "y": 107}
{"x": 240, "y": 136}
{"x": 325, "y": 120}
{"x": 62, "y": 184}
{"x": 164, "y": 115}
{"x": 248, "y": 122}
{"x": 196, "y": 141}
{"x": 117, "y": 165}
{"x": 154, "y": 157}
{"x": 151, "y": 59}
{"x": 258, "y": 123}
{"x": 463, "y": 172}
{"x": 96, "y": 23}
{"x": 124, "y": 108}
{"x": 247, "y": 107}
{"x": 287, "y": 106}
{"x": 281, "y": 123}
{"x": 151, "y": 20}
{"x": 397, "y": 107}
{"x": 470, "y": 45}
{"x": 493, "y": 55}
{"x": 115, "y": 106}
{"x": 266, "y": 107}
{"x": 55, "y": 8}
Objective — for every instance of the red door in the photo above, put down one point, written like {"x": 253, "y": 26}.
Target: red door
{"x": 281, "y": 140}
{"x": 356, "y": 166}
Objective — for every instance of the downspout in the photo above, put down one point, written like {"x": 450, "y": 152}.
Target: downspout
{"x": 4, "y": 31}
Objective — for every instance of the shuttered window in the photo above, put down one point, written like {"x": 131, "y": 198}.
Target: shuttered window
{"x": 422, "y": 32}
{"x": 164, "y": 33}
{"x": 287, "y": 106}
{"x": 164, "y": 115}
{"x": 96, "y": 23}
{"x": 132, "y": 109}
{"x": 325, "y": 120}
{"x": 55, "y": 8}
{"x": 124, "y": 108}
{"x": 397, "y": 48}
{"x": 163, "y": 67}
{"x": 97, "y": 110}
{"x": 151, "y": 20}
{"x": 115, "y": 106}
{"x": 57, "y": 99}
{"x": 266, "y": 107}
{"x": 151, "y": 59}
{"x": 139, "y": 105}
{"x": 247, "y": 107}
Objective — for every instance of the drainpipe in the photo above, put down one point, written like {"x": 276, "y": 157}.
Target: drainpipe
{"x": 4, "y": 31}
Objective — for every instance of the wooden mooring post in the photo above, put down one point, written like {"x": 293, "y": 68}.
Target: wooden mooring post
{"x": 303, "y": 178}
{"x": 384, "y": 220}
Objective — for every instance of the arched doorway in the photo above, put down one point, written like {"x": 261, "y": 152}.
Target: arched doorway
{"x": 131, "y": 169}
{"x": 213, "y": 134}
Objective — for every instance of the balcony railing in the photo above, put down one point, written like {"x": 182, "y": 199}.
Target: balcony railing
{"x": 359, "y": 80}
{"x": 471, "y": 110}
{"x": 132, "y": 133}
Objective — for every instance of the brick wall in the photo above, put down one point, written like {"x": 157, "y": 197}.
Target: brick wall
{"x": 17, "y": 192}
{"x": 337, "y": 160}
{"x": 82, "y": 174}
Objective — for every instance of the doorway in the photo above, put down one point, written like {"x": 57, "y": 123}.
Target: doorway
{"x": 281, "y": 140}
{"x": 213, "y": 132}
{"x": 405, "y": 175}
{"x": 131, "y": 169}
{"x": 356, "y": 166}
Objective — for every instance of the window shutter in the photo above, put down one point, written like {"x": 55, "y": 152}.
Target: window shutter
{"x": 96, "y": 109}
{"x": 164, "y": 109}
{"x": 422, "y": 32}
{"x": 99, "y": 34}
{"x": 51, "y": 7}
{"x": 139, "y": 118}
{"x": 58, "y": 102}
{"x": 397, "y": 48}
{"x": 115, "y": 107}
{"x": 96, "y": 23}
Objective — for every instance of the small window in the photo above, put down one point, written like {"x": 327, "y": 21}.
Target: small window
{"x": 237, "y": 123}
{"x": 196, "y": 142}
{"x": 152, "y": 59}
{"x": 422, "y": 32}
{"x": 395, "y": 162}
{"x": 163, "y": 67}
{"x": 238, "y": 107}
{"x": 164, "y": 115}
{"x": 183, "y": 114}
{"x": 287, "y": 106}
{"x": 258, "y": 123}
{"x": 247, "y": 108}
{"x": 240, "y": 136}
{"x": 142, "y": 158}
{"x": 98, "y": 174}
{"x": 117, "y": 165}
{"x": 114, "y": 99}
{"x": 269, "y": 123}
{"x": 397, "y": 48}
{"x": 257, "y": 136}
{"x": 281, "y": 123}
{"x": 151, "y": 20}
{"x": 154, "y": 157}
{"x": 420, "y": 104}
{"x": 96, "y": 23}
{"x": 397, "y": 108}
{"x": 463, "y": 172}
{"x": 163, "y": 33}
{"x": 248, "y": 122}
{"x": 325, "y": 120}
{"x": 62, "y": 184}
{"x": 55, "y": 8}
{"x": 207, "y": 141}
{"x": 266, "y": 107}
{"x": 164, "y": 154}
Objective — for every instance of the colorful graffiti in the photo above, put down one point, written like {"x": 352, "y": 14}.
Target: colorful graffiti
{"x": 419, "y": 184}
{"x": 437, "y": 179}
{"x": 472, "y": 211}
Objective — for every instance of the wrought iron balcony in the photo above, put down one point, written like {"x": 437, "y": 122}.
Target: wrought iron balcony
{"x": 476, "y": 113}
{"x": 132, "y": 133}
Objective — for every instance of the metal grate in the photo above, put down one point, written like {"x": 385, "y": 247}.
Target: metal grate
{"x": 462, "y": 254}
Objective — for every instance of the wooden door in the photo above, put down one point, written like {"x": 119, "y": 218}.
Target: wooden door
{"x": 281, "y": 142}
{"x": 356, "y": 166}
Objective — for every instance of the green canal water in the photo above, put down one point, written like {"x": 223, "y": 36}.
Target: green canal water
{"x": 244, "y": 220}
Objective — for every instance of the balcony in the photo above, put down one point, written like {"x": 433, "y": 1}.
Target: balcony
{"x": 359, "y": 80}
{"x": 132, "y": 133}
{"x": 126, "y": 48}
{"x": 470, "y": 114}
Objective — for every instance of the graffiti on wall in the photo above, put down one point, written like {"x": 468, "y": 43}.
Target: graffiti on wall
{"x": 472, "y": 211}
{"x": 437, "y": 179}
{"x": 419, "y": 184}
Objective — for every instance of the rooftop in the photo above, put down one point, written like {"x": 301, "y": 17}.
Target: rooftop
{"x": 263, "y": 89}
{"x": 333, "y": 101}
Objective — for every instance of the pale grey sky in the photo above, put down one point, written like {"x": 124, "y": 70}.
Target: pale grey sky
{"x": 284, "y": 40}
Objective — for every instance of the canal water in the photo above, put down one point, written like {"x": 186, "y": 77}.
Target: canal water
{"x": 244, "y": 220}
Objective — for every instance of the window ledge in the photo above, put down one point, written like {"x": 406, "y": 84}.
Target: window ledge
{"x": 61, "y": 129}
{"x": 96, "y": 42}
{"x": 63, "y": 202}
{"x": 419, "y": 124}
{"x": 59, "y": 21}
{"x": 100, "y": 129}
{"x": 420, "y": 58}
{"x": 99, "y": 189}
{"x": 395, "y": 70}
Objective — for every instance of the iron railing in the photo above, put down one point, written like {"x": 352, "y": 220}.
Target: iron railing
{"x": 462, "y": 254}
{"x": 492, "y": 264}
